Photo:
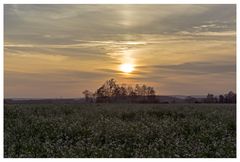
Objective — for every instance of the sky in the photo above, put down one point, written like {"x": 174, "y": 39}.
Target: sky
{"x": 53, "y": 51}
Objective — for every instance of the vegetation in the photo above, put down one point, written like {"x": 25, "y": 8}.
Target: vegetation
{"x": 120, "y": 130}
{"x": 112, "y": 92}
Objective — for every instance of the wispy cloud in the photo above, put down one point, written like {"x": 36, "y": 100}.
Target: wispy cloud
{"x": 198, "y": 68}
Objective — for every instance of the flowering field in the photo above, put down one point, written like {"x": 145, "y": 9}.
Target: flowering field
{"x": 120, "y": 130}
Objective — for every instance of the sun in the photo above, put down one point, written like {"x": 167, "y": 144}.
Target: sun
{"x": 126, "y": 68}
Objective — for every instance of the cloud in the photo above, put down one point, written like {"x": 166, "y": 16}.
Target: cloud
{"x": 196, "y": 68}
{"x": 55, "y": 75}
{"x": 135, "y": 73}
{"x": 79, "y": 46}
{"x": 98, "y": 22}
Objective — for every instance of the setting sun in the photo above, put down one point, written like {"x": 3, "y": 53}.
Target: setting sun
{"x": 126, "y": 68}
{"x": 119, "y": 80}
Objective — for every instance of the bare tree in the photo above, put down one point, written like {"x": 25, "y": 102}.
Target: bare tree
{"x": 150, "y": 91}
{"x": 110, "y": 91}
{"x": 88, "y": 96}
{"x": 230, "y": 97}
{"x": 221, "y": 99}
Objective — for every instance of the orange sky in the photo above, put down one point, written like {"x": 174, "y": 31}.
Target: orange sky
{"x": 61, "y": 50}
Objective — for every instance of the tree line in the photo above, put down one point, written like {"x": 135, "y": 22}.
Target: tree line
{"x": 229, "y": 97}
{"x": 111, "y": 91}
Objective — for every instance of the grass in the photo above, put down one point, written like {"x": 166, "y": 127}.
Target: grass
{"x": 120, "y": 130}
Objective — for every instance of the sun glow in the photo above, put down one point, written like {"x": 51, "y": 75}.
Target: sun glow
{"x": 126, "y": 68}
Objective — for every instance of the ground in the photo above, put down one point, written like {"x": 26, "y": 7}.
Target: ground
{"x": 120, "y": 130}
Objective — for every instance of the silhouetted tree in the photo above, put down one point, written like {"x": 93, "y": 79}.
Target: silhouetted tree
{"x": 211, "y": 98}
{"x": 130, "y": 91}
{"x": 122, "y": 91}
{"x": 110, "y": 91}
{"x": 150, "y": 91}
{"x": 151, "y": 97}
{"x": 138, "y": 90}
{"x": 89, "y": 96}
{"x": 230, "y": 97}
{"x": 221, "y": 99}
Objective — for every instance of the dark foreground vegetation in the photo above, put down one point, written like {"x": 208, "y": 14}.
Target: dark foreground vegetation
{"x": 120, "y": 130}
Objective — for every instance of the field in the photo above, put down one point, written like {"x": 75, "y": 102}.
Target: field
{"x": 120, "y": 130}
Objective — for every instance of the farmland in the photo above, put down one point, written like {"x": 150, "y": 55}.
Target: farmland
{"x": 119, "y": 130}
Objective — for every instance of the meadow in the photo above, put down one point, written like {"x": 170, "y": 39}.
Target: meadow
{"x": 120, "y": 130}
